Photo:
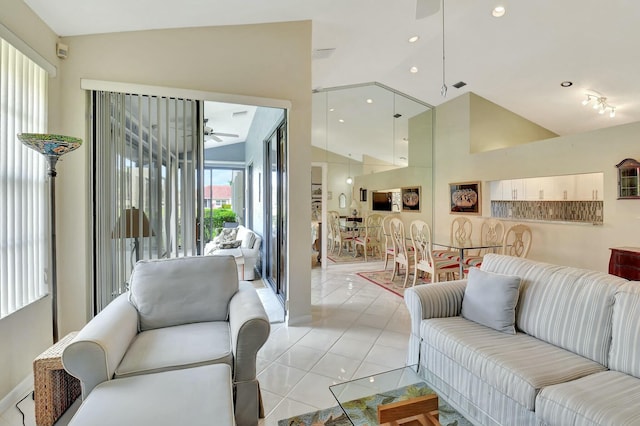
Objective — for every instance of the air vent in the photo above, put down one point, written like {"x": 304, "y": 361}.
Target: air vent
{"x": 459, "y": 84}
{"x": 397, "y": 115}
{"x": 323, "y": 53}
{"x": 238, "y": 113}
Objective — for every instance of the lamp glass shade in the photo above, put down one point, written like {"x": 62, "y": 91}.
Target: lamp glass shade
{"x": 50, "y": 144}
{"x": 128, "y": 225}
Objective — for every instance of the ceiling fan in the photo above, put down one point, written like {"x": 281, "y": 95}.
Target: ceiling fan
{"x": 209, "y": 133}
{"x": 426, "y": 8}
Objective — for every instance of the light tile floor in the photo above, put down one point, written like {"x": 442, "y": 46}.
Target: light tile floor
{"x": 357, "y": 329}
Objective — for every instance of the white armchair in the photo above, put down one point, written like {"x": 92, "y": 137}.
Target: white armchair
{"x": 179, "y": 313}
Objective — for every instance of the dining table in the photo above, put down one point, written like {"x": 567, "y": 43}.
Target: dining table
{"x": 461, "y": 247}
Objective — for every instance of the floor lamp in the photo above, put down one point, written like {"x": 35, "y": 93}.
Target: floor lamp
{"x": 134, "y": 224}
{"x": 52, "y": 147}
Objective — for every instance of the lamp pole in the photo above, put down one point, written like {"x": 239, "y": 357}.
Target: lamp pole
{"x": 52, "y": 147}
{"x": 52, "y": 228}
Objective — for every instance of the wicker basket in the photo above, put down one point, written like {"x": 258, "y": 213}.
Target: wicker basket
{"x": 54, "y": 389}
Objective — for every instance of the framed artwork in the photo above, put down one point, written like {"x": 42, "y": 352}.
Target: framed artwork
{"x": 465, "y": 198}
{"x": 316, "y": 191}
{"x": 410, "y": 196}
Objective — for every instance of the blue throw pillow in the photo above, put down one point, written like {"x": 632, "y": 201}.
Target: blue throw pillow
{"x": 490, "y": 299}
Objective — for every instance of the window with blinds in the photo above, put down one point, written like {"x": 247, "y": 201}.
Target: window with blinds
{"x": 23, "y": 203}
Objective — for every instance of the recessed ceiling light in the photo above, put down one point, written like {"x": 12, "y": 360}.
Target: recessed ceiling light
{"x": 331, "y": 109}
{"x": 341, "y": 120}
{"x": 413, "y": 39}
{"x": 566, "y": 83}
{"x": 498, "y": 11}
{"x": 369, "y": 101}
{"x": 413, "y": 70}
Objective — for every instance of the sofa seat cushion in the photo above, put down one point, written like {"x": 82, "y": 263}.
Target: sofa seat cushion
{"x": 609, "y": 398}
{"x": 516, "y": 365}
{"x": 169, "y": 398}
{"x": 177, "y": 347}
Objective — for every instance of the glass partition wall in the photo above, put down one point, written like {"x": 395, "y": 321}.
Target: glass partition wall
{"x": 373, "y": 139}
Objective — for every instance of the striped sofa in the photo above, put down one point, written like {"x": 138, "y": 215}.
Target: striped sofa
{"x": 575, "y": 359}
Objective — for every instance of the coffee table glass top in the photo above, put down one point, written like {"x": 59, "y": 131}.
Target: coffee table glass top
{"x": 360, "y": 398}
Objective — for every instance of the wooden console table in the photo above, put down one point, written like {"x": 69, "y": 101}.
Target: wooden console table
{"x": 625, "y": 262}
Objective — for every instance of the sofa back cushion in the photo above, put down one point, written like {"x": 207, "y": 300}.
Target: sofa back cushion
{"x": 247, "y": 236}
{"x": 567, "y": 307}
{"x": 625, "y": 342}
{"x": 185, "y": 290}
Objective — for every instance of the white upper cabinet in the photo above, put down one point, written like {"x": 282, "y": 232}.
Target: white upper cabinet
{"x": 588, "y": 186}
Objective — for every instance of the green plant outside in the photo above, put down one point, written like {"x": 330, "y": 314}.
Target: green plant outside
{"x": 214, "y": 219}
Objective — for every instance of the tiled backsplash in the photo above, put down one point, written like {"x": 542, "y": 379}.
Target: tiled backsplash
{"x": 560, "y": 211}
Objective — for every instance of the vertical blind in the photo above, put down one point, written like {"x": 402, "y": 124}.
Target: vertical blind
{"x": 145, "y": 184}
{"x": 23, "y": 203}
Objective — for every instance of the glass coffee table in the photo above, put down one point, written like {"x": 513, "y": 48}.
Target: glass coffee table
{"x": 399, "y": 395}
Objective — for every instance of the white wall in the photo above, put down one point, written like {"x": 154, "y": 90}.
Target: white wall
{"x": 269, "y": 61}
{"x": 584, "y": 246}
{"x": 27, "y": 333}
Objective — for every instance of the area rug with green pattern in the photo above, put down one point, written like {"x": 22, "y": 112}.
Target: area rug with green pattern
{"x": 364, "y": 412}
{"x": 383, "y": 279}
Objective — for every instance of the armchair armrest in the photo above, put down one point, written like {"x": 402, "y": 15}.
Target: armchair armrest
{"x": 98, "y": 348}
{"x": 250, "y": 328}
{"x": 436, "y": 300}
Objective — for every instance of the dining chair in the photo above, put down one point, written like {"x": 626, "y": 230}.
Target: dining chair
{"x": 491, "y": 233}
{"x": 342, "y": 237}
{"x": 517, "y": 241}
{"x": 332, "y": 216}
{"x": 459, "y": 233}
{"x": 403, "y": 256}
{"x": 369, "y": 237}
{"x": 389, "y": 250}
{"x": 424, "y": 261}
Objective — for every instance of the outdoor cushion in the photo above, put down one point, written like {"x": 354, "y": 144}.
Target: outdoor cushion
{"x": 230, "y": 244}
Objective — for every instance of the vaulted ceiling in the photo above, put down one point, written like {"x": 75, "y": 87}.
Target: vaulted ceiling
{"x": 517, "y": 61}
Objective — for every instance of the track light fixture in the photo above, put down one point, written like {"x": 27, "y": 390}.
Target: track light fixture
{"x": 600, "y": 104}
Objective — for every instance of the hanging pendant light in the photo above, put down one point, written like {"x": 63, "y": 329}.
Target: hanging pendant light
{"x": 443, "y": 89}
{"x": 349, "y": 177}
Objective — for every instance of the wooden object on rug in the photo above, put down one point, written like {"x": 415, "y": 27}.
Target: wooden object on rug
{"x": 420, "y": 411}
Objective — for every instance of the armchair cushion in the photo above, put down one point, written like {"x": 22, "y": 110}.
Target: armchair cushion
{"x": 168, "y": 348}
{"x": 160, "y": 292}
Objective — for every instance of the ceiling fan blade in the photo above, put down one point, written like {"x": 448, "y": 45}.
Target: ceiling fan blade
{"x": 426, "y": 8}
{"x": 229, "y": 135}
{"x": 216, "y": 138}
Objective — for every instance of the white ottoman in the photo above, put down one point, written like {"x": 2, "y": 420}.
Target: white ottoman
{"x": 191, "y": 396}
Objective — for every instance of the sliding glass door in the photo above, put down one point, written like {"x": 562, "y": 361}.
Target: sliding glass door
{"x": 276, "y": 210}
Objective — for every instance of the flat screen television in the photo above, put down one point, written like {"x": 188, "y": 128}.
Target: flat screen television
{"x": 381, "y": 201}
